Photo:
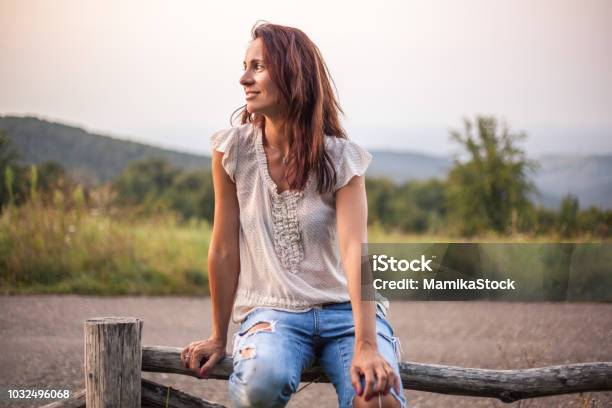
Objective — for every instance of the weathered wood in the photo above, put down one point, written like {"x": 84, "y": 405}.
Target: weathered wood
{"x": 76, "y": 401}
{"x": 162, "y": 359}
{"x": 505, "y": 385}
{"x": 153, "y": 395}
{"x": 508, "y": 385}
{"x": 156, "y": 395}
{"x": 113, "y": 357}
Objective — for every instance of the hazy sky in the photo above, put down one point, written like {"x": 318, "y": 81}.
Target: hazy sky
{"x": 166, "y": 72}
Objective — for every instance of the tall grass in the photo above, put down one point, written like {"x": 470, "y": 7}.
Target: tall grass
{"x": 97, "y": 249}
{"x": 68, "y": 244}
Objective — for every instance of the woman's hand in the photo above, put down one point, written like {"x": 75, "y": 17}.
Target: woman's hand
{"x": 378, "y": 373}
{"x": 211, "y": 350}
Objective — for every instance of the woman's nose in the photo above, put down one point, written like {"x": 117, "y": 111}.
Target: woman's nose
{"x": 246, "y": 79}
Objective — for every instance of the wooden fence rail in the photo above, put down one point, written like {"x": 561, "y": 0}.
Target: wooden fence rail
{"x": 114, "y": 359}
{"x": 505, "y": 385}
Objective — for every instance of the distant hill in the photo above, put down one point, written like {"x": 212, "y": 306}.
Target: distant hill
{"x": 403, "y": 166}
{"x": 97, "y": 158}
{"x": 589, "y": 177}
{"x": 91, "y": 158}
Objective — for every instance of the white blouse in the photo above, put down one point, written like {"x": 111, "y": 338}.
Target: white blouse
{"x": 289, "y": 255}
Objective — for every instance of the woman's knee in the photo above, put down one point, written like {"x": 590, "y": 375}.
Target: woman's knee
{"x": 269, "y": 387}
{"x": 266, "y": 365}
{"x": 261, "y": 378}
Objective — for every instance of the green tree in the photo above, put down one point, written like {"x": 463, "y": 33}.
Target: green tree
{"x": 145, "y": 182}
{"x": 9, "y": 156}
{"x": 568, "y": 215}
{"x": 51, "y": 175}
{"x": 490, "y": 190}
{"x": 379, "y": 193}
{"x": 9, "y": 169}
{"x": 192, "y": 195}
{"x": 595, "y": 221}
{"x": 9, "y": 180}
{"x": 418, "y": 206}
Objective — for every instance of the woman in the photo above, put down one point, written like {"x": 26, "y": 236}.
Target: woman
{"x": 285, "y": 253}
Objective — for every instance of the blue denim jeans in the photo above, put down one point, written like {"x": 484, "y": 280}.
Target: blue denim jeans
{"x": 268, "y": 362}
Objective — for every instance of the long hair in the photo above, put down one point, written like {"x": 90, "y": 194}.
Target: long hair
{"x": 297, "y": 68}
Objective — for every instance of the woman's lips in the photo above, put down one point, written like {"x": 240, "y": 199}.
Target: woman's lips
{"x": 251, "y": 95}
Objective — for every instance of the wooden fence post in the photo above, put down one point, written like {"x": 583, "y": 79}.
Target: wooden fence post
{"x": 113, "y": 360}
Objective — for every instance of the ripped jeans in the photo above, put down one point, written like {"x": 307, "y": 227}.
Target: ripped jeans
{"x": 269, "y": 360}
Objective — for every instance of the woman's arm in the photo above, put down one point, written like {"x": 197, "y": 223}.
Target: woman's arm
{"x": 223, "y": 271}
{"x": 223, "y": 252}
{"x": 352, "y": 218}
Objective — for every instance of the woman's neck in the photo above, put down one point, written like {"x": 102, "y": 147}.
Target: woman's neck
{"x": 276, "y": 136}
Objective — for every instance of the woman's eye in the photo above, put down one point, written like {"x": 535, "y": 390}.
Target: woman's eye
{"x": 257, "y": 67}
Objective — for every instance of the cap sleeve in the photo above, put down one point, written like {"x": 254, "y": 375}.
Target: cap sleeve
{"x": 226, "y": 141}
{"x": 354, "y": 161}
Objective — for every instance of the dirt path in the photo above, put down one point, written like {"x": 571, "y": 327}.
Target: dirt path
{"x": 42, "y": 342}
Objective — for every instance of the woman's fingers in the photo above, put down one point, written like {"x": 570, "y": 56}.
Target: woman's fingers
{"x": 392, "y": 379}
{"x": 194, "y": 358}
{"x": 210, "y": 363}
{"x": 381, "y": 379}
{"x": 369, "y": 383}
{"x": 354, "y": 372}
{"x": 199, "y": 353}
{"x": 184, "y": 354}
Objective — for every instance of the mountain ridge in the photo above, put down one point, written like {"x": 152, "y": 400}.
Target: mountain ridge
{"x": 95, "y": 158}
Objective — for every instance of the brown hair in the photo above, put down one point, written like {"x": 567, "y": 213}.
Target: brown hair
{"x": 298, "y": 70}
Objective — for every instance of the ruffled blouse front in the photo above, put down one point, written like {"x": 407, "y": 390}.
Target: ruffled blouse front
{"x": 289, "y": 256}
{"x": 287, "y": 242}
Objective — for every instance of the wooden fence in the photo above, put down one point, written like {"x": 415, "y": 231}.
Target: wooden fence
{"x": 114, "y": 360}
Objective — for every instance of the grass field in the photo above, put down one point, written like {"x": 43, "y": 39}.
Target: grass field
{"x": 44, "y": 249}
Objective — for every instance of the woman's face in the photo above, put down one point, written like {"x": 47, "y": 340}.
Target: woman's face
{"x": 262, "y": 95}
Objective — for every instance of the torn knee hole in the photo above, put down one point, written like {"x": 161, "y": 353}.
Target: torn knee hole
{"x": 247, "y": 352}
{"x": 263, "y": 326}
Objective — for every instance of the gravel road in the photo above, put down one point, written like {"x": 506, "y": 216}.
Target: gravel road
{"x": 42, "y": 342}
